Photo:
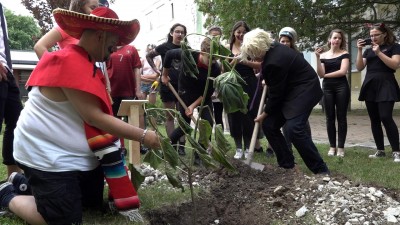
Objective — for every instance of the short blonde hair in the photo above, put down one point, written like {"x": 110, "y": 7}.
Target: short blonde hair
{"x": 255, "y": 44}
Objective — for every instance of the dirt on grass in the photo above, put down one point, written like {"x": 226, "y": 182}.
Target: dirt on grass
{"x": 246, "y": 196}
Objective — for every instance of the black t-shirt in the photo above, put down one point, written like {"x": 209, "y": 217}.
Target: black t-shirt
{"x": 375, "y": 64}
{"x": 191, "y": 86}
{"x": 174, "y": 70}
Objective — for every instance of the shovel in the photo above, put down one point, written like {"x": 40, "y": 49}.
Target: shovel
{"x": 180, "y": 100}
{"x": 249, "y": 160}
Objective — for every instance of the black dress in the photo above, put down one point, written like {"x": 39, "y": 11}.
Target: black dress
{"x": 380, "y": 84}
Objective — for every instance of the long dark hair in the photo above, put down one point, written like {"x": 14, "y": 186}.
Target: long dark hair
{"x": 390, "y": 39}
{"x": 235, "y": 27}
{"x": 169, "y": 35}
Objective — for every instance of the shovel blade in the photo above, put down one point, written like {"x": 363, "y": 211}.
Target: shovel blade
{"x": 257, "y": 166}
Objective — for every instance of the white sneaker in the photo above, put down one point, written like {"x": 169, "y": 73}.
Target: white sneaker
{"x": 396, "y": 156}
{"x": 239, "y": 154}
{"x": 246, "y": 153}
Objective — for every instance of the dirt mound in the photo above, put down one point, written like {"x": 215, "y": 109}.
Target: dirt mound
{"x": 246, "y": 196}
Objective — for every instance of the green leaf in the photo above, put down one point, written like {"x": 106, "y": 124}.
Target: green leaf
{"x": 226, "y": 66}
{"x": 207, "y": 160}
{"x": 173, "y": 179}
{"x": 153, "y": 157}
{"x": 196, "y": 145}
{"x": 170, "y": 154}
{"x": 224, "y": 51}
{"x": 220, "y": 157}
{"x": 205, "y": 131}
{"x": 221, "y": 141}
{"x": 186, "y": 128}
{"x": 136, "y": 177}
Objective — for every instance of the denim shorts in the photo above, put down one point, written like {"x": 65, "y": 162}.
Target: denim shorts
{"x": 145, "y": 88}
{"x": 61, "y": 196}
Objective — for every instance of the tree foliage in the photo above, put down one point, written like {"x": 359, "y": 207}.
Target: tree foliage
{"x": 22, "y": 31}
{"x": 42, "y": 11}
{"x": 313, "y": 20}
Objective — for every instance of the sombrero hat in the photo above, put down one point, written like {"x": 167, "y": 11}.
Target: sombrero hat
{"x": 101, "y": 18}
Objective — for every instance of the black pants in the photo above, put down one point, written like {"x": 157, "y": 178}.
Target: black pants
{"x": 301, "y": 140}
{"x": 206, "y": 114}
{"x": 336, "y": 101}
{"x": 218, "y": 110}
{"x": 10, "y": 109}
{"x": 382, "y": 113}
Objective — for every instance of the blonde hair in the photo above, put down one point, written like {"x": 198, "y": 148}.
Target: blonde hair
{"x": 255, "y": 44}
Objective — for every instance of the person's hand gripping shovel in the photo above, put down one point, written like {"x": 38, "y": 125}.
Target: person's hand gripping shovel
{"x": 249, "y": 160}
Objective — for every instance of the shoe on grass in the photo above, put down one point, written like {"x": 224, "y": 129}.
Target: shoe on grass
{"x": 181, "y": 150}
{"x": 396, "y": 156}
{"x": 259, "y": 150}
{"x": 378, "y": 154}
{"x": 246, "y": 153}
{"x": 20, "y": 183}
{"x": 269, "y": 153}
{"x": 332, "y": 152}
{"x": 7, "y": 192}
{"x": 239, "y": 154}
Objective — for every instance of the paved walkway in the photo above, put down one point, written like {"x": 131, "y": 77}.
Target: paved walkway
{"x": 358, "y": 131}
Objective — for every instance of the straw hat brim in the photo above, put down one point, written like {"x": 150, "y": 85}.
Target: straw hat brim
{"x": 74, "y": 23}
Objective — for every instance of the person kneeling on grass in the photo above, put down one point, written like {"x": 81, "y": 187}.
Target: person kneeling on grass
{"x": 67, "y": 139}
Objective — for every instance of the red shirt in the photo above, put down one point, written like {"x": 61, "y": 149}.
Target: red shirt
{"x": 120, "y": 70}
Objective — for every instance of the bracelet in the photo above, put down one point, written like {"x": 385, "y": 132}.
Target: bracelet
{"x": 142, "y": 137}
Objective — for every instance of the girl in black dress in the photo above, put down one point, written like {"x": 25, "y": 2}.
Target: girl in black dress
{"x": 380, "y": 89}
{"x": 332, "y": 66}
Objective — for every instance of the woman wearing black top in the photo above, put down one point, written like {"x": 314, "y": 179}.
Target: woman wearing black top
{"x": 332, "y": 66}
{"x": 174, "y": 38}
{"x": 241, "y": 125}
{"x": 380, "y": 89}
{"x": 191, "y": 90}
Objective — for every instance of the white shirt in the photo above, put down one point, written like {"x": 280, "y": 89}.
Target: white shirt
{"x": 50, "y": 136}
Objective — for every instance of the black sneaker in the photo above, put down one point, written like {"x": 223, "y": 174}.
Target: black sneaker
{"x": 20, "y": 183}
{"x": 7, "y": 192}
{"x": 378, "y": 154}
{"x": 270, "y": 153}
{"x": 181, "y": 150}
{"x": 197, "y": 160}
{"x": 259, "y": 150}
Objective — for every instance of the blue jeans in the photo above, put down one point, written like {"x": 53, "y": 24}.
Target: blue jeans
{"x": 296, "y": 131}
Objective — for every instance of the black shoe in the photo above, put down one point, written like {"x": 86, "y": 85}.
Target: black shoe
{"x": 197, "y": 160}
{"x": 259, "y": 150}
{"x": 20, "y": 183}
{"x": 181, "y": 150}
{"x": 270, "y": 153}
{"x": 7, "y": 192}
{"x": 143, "y": 150}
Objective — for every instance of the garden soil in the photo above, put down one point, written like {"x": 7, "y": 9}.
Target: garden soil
{"x": 248, "y": 196}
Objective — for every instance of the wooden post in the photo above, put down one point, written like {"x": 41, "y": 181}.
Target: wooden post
{"x": 132, "y": 109}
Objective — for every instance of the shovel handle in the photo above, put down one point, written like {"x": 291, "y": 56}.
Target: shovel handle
{"x": 180, "y": 100}
{"x": 256, "y": 125}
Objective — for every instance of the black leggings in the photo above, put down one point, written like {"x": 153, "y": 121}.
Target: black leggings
{"x": 336, "y": 101}
{"x": 382, "y": 112}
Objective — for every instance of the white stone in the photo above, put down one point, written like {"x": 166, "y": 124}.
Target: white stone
{"x": 302, "y": 211}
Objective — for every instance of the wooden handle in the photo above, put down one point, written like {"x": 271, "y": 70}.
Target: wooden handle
{"x": 180, "y": 100}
